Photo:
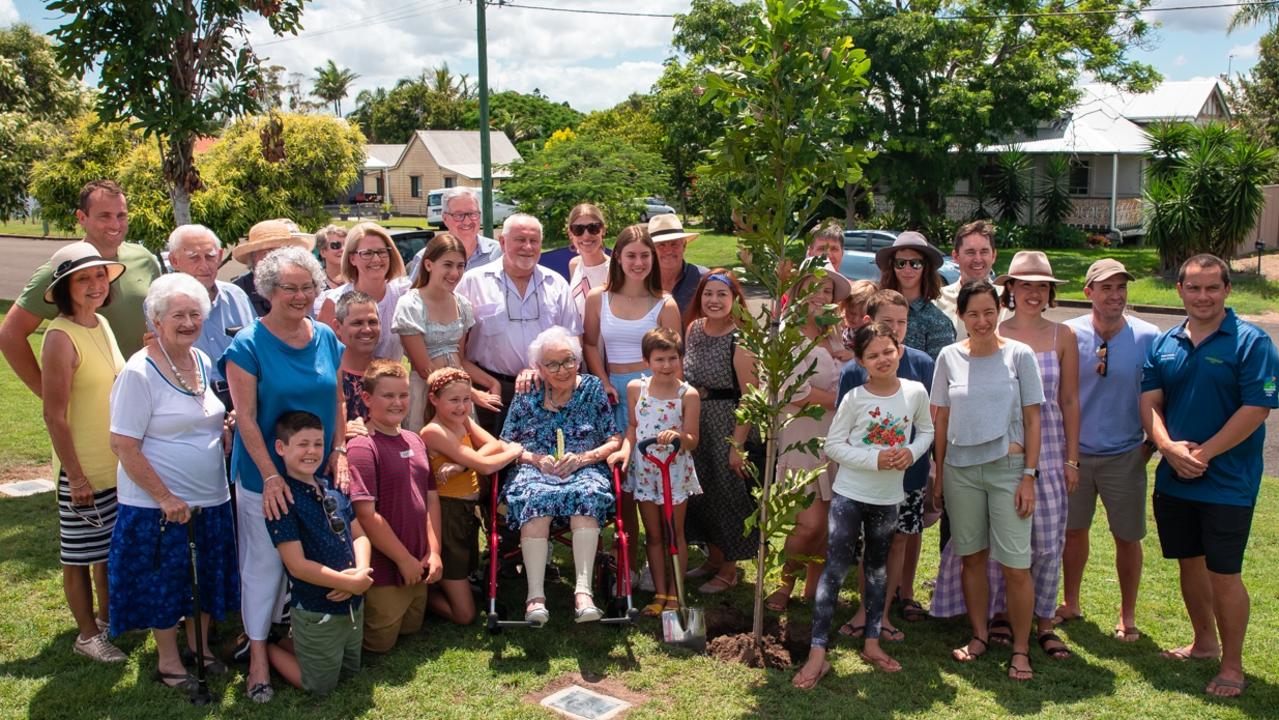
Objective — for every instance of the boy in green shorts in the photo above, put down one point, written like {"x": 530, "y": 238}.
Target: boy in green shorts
{"x": 327, "y": 558}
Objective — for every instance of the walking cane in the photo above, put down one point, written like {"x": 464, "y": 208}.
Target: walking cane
{"x": 201, "y": 695}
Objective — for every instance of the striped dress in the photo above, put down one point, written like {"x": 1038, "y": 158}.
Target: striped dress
{"x": 1048, "y": 528}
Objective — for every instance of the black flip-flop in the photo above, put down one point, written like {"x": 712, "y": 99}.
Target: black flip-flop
{"x": 968, "y": 656}
{"x": 912, "y": 611}
{"x": 1011, "y": 669}
{"x": 1056, "y": 653}
{"x": 997, "y": 634}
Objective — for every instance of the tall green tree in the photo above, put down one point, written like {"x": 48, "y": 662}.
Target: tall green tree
{"x": 1255, "y": 12}
{"x": 88, "y": 149}
{"x": 630, "y": 120}
{"x": 332, "y": 83}
{"x": 1203, "y": 189}
{"x": 157, "y": 64}
{"x": 528, "y": 120}
{"x": 1255, "y": 100}
{"x": 433, "y": 100}
{"x": 604, "y": 170}
{"x": 791, "y": 92}
{"x": 36, "y": 98}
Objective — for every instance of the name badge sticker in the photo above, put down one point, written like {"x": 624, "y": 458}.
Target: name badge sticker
{"x": 406, "y": 453}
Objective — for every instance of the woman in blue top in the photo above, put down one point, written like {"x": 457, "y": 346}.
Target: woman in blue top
{"x": 283, "y": 362}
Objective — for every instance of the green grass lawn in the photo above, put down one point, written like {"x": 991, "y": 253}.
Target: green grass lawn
{"x": 450, "y": 672}
{"x": 23, "y": 438}
{"x": 33, "y": 228}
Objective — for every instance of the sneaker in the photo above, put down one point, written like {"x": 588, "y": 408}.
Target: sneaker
{"x": 646, "y": 580}
{"x": 99, "y": 648}
{"x": 103, "y": 626}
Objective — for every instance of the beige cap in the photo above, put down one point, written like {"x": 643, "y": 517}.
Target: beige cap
{"x": 1106, "y": 268}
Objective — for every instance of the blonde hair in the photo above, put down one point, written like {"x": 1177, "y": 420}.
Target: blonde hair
{"x": 355, "y": 235}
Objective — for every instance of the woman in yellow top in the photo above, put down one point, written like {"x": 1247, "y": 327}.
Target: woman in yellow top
{"x": 79, "y": 362}
{"x": 459, "y": 448}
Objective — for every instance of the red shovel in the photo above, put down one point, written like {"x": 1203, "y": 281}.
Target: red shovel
{"x": 685, "y": 626}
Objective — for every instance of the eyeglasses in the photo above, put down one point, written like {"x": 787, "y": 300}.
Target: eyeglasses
{"x": 507, "y": 290}
{"x": 914, "y": 264}
{"x": 336, "y": 245}
{"x": 307, "y": 289}
{"x": 568, "y": 363}
{"x": 582, "y": 229}
{"x": 472, "y": 216}
{"x": 210, "y": 258}
{"x": 1103, "y": 356}
{"x": 336, "y": 524}
{"x": 373, "y": 253}
{"x": 94, "y": 521}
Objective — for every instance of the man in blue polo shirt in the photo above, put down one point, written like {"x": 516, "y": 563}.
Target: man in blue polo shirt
{"x": 1207, "y": 387}
{"x": 891, "y": 308}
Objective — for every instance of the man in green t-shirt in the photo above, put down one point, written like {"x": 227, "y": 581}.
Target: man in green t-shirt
{"x": 104, "y": 215}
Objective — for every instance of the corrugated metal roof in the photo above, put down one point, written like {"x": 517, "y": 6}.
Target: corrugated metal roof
{"x": 378, "y": 157}
{"x": 459, "y": 150}
{"x": 1175, "y": 100}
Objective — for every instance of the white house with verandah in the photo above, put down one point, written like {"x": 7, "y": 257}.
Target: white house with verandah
{"x": 1104, "y": 139}
{"x": 403, "y": 174}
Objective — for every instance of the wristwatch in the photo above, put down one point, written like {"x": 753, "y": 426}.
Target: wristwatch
{"x": 1033, "y": 472}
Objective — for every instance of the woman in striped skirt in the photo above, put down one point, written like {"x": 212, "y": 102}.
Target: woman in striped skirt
{"x": 79, "y": 362}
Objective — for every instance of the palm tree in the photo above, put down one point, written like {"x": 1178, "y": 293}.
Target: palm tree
{"x": 332, "y": 83}
{"x": 1255, "y": 12}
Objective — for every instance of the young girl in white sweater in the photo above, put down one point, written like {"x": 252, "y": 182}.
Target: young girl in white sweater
{"x": 869, "y": 440}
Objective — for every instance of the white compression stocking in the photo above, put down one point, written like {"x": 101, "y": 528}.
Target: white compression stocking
{"x": 585, "y": 540}
{"x": 535, "y": 551}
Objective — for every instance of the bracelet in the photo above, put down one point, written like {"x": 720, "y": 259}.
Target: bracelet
{"x": 268, "y": 477}
{"x": 86, "y": 483}
{"x": 1072, "y": 464}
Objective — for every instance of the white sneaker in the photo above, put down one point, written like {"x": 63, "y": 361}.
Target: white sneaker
{"x": 99, "y": 648}
{"x": 646, "y": 580}
{"x": 102, "y": 626}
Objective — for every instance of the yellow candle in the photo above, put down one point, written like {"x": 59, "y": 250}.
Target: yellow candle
{"x": 559, "y": 444}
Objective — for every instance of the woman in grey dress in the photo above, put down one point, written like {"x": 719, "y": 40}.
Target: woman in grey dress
{"x": 720, "y": 370}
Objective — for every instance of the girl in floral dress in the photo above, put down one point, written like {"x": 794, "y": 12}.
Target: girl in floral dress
{"x": 665, "y": 408}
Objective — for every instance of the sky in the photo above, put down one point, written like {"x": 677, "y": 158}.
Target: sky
{"x": 595, "y": 61}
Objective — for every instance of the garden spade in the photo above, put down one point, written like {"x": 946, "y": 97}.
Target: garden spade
{"x": 685, "y": 626}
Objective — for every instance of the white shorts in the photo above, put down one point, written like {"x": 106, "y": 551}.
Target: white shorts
{"x": 263, "y": 583}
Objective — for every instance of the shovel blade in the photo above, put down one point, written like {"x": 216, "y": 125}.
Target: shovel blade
{"x": 685, "y": 627}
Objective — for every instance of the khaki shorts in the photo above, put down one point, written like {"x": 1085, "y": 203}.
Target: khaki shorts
{"x": 327, "y": 647}
{"x": 981, "y": 504}
{"x": 1120, "y": 480}
{"x": 392, "y": 611}
{"x": 459, "y": 537}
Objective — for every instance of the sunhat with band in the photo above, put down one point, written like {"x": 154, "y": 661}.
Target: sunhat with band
{"x": 78, "y": 256}
{"x": 269, "y": 235}
{"x": 662, "y": 228}
{"x": 1029, "y": 266}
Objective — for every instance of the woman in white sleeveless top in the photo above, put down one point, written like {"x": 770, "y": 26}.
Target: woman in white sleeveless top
{"x": 589, "y": 268}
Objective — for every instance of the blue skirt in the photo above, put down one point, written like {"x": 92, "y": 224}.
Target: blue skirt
{"x": 530, "y": 494}
{"x": 149, "y": 570}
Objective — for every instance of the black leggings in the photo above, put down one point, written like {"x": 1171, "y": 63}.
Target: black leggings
{"x": 848, "y": 517}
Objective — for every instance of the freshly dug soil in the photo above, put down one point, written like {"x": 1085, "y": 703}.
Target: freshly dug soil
{"x": 728, "y": 631}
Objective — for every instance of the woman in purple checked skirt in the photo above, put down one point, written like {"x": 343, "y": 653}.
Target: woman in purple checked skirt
{"x": 1030, "y": 290}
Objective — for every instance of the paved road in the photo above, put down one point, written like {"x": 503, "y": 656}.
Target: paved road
{"x": 22, "y": 257}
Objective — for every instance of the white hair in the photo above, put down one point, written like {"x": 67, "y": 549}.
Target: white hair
{"x": 453, "y": 193}
{"x": 182, "y": 232}
{"x": 550, "y": 338}
{"x": 266, "y": 274}
{"x": 167, "y": 287}
{"x": 521, "y": 219}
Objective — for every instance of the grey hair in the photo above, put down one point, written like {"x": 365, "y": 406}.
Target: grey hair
{"x": 454, "y": 193}
{"x": 323, "y": 233}
{"x": 266, "y": 274}
{"x": 165, "y": 288}
{"x": 342, "y": 308}
{"x": 549, "y": 338}
{"x": 521, "y": 219}
{"x": 182, "y": 232}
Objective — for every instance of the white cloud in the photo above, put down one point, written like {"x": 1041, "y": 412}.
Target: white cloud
{"x": 8, "y": 13}
{"x": 1206, "y": 20}
{"x": 1181, "y": 60}
{"x": 591, "y": 61}
{"x": 1245, "y": 51}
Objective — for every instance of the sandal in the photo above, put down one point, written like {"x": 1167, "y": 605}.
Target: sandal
{"x": 1018, "y": 674}
{"x": 886, "y": 664}
{"x": 848, "y": 629}
{"x": 964, "y": 655}
{"x": 212, "y": 665}
{"x": 1058, "y": 619}
{"x": 779, "y": 598}
{"x": 261, "y": 693}
{"x": 185, "y": 681}
{"x": 655, "y": 608}
{"x": 1058, "y": 652}
{"x": 718, "y": 584}
{"x": 1238, "y": 686}
{"x": 1001, "y": 632}
{"x": 911, "y": 610}
{"x": 891, "y": 634}
{"x": 703, "y": 570}
{"x": 1127, "y": 634}
{"x": 821, "y": 673}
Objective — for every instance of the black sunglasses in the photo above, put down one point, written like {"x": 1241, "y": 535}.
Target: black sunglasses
{"x": 916, "y": 264}
{"x": 336, "y": 245}
{"x": 336, "y": 524}
{"x": 581, "y": 229}
{"x": 1103, "y": 356}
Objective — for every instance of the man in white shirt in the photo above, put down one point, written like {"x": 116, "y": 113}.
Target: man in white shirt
{"x": 975, "y": 252}
{"x": 514, "y": 300}
{"x": 196, "y": 251}
{"x": 461, "y": 213}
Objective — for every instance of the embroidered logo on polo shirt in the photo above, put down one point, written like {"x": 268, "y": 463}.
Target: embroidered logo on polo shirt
{"x": 1268, "y": 387}
{"x": 1214, "y": 360}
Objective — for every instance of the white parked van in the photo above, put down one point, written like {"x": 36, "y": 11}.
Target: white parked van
{"x": 502, "y": 208}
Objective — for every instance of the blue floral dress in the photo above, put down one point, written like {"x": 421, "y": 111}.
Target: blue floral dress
{"x": 587, "y": 422}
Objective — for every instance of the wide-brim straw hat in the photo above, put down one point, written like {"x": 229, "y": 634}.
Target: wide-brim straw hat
{"x": 269, "y": 235}
{"x": 663, "y": 228}
{"x": 1029, "y": 266}
{"x": 909, "y": 240}
{"x": 78, "y": 256}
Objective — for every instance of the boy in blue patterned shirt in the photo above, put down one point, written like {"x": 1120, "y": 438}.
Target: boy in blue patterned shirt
{"x": 327, "y": 557}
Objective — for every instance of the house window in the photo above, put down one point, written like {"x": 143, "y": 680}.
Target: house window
{"x": 450, "y": 181}
{"x": 1080, "y": 174}
{"x": 415, "y": 186}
